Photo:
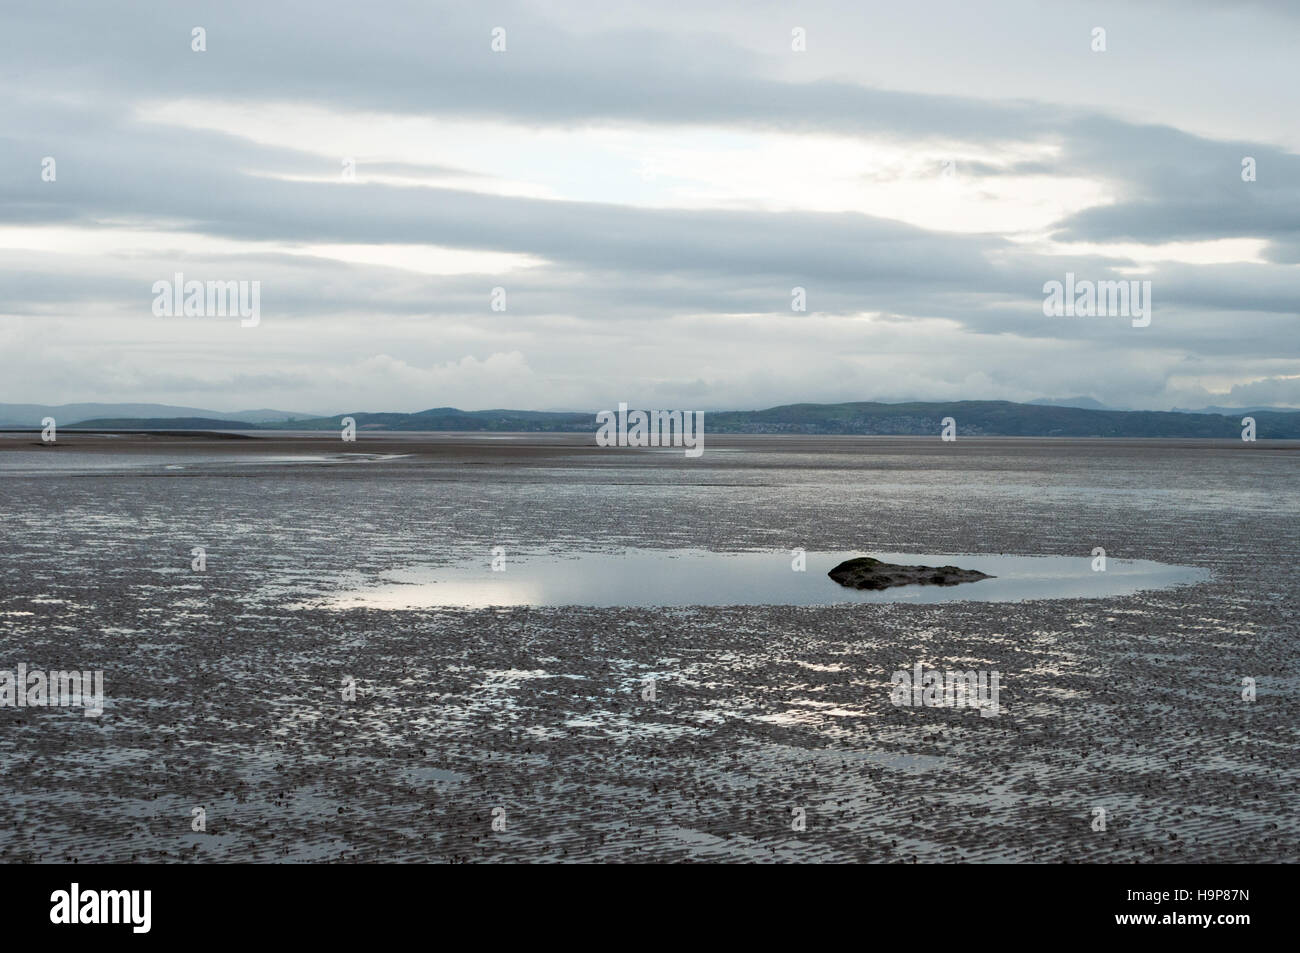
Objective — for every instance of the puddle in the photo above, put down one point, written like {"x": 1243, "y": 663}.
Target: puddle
{"x": 70, "y": 460}
{"x": 655, "y": 577}
{"x": 314, "y": 458}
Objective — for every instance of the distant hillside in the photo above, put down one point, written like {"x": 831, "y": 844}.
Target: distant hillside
{"x": 974, "y": 418}
{"x": 29, "y": 415}
{"x": 995, "y": 418}
{"x": 1238, "y": 411}
{"x": 1083, "y": 403}
{"x": 162, "y": 423}
{"x": 449, "y": 418}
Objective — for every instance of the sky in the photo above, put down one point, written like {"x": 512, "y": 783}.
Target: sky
{"x": 550, "y": 205}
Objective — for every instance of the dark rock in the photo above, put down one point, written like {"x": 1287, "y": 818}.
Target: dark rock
{"x": 867, "y": 573}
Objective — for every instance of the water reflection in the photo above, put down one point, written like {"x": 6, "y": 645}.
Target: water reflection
{"x": 684, "y": 577}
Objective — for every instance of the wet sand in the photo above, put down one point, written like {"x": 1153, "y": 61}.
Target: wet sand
{"x": 220, "y": 694}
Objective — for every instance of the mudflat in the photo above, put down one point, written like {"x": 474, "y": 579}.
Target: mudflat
{"x": 530, "y": 733}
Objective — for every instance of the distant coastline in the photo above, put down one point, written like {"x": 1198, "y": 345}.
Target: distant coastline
{"x": 973, "y": 419}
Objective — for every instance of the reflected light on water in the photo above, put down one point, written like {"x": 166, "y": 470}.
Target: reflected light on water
{"x": 683, "y": 577}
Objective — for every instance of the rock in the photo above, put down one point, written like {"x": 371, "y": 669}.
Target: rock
{"x": 867, "y": 573}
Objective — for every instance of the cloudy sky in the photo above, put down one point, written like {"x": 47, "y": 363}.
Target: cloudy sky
{"x": 647, "y": 183}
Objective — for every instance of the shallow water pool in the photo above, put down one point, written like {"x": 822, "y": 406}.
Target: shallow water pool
{"x": 691, "y": 577}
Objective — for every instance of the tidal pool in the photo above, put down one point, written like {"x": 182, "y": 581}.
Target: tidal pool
{"x": 689, "y": 577}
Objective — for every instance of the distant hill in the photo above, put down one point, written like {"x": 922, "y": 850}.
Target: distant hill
{"x": 449, "y": 418}
{"x": 1083, "y": 403}
{"x": 973, "y": 417}
{"x": 994, "y": 418}
{"x": 29, "y": 415}
{"x": 162, "y": 423}
{"x": 1238, "y": 411}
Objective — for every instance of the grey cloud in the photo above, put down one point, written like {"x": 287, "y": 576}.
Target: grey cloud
{"x": 74, "y": 75}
